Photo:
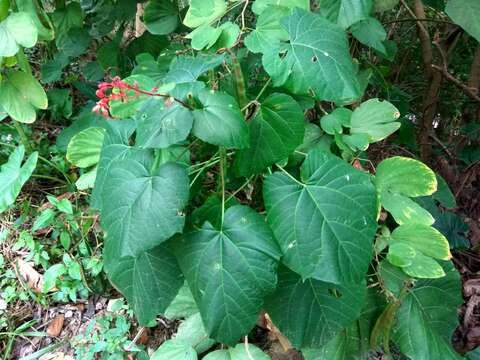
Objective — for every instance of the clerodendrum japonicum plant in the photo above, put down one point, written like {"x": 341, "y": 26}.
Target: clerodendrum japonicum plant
{"x": 218, "y": 180}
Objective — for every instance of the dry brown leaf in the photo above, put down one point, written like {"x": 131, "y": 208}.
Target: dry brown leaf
{"x": 286, "y": 345}
{"x": 29, "y": 275}
{"x": 56, "y": 326}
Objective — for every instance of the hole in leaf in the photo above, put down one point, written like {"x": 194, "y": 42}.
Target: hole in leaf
{"x": 314, "y": 59}
{"x": 335, "y": 293}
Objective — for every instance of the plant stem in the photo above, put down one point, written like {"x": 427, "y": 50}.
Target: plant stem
{"x": 23, "y": 136}
{"x": 223, "y": 170}
{"x": 239, "y": 80}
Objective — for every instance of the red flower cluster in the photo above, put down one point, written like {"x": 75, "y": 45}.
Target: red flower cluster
{"x": 117, "y": 90}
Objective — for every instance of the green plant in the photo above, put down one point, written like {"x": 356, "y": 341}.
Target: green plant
{"x": 232, "y": 151}
{"x": 171, "y": 173}
{"x": 107, "y": 336}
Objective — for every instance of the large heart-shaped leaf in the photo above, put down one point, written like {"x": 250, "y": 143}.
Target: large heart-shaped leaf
{"x": 324, "y": 224}
{"x": 160, "y": 126}
{"x": 184, "y": 69}
{"x": 345, "y": 12}
{"x": 315, "y": 60}
{"x": 230, "y": 270}
{"x": 259, "y": 6}
{"x": 13, "y": 176}
{"x": 202, "y": 12}
{"x": 353, "y": 342}
{"x": 311, "y": 312}
{"x": 149, "y": 281}
{"x": 371, "y": 32}
{"x": 268, "y": 31}
{"x": 275, "y": 132}
{"x": 17, "y": 30}
{"x": 220, "y": 121}
{"x": 130, "y": 192}
{"x": 20, "y": 95}
{"x": 428, "y": 317}
{"x": 465, "y": 13}
{"x": 84, "y": 148}
{"x": 109, "y": 154}
{"x": 161, "y": 17}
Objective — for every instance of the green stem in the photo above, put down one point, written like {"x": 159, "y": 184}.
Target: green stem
{"x": 223, "y": 170}
{"x": 239, "y": 80}
{"x": 240, "y": 188}
{"x": 23, "y": 61}
{"x": 23, "y": 136}
{"x": 262, "y": 90}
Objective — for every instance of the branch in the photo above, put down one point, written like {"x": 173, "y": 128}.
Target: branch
{"x": 470, "y": 92}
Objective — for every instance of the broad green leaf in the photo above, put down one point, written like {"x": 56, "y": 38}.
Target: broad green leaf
{"x": 51, "y": 275}
{"x": 392, "y": 277}
{"x": 229, "y": 35}
{"x": 161, "y": 17}
{"x": 334, "y": 122}
{"x": 74, "y": 43}
{"x": 275, "y": 131}
{"x": 183, "y": 305}
{"x": 161, "y": 125}
{"x": 465, "y": 13}
{"x": 192, "y": 331}
{"x": 345, "y": 12}
{"x": 204, "y": 37}
{"x": 29, "y": 89}
{"x": 20, "y": 95}
{"x": 13, "y": 176}
{"x": 174, "y": 349}
{"x": 69, "y": 17}
{"x": 259, "y": 6}
{"x": 310, "y": 312}
{"x": 149, "y": 281}
{"x": 314, "y": 138}
{"x": 17, "y": 30}
{"x": 211, "y": 211}
{"x": 401, "y": 255}
{"x": 443, "y": 194}
{"x": 45, "y": 219}
{"x": 52, "y": 70}
{"x": 427, "y": 318}
{"x": 85, "y": 119}
{"x": 385, "y": 5}
{"x": 423, "y": 267}
{"x": 404, "y": 210}
{"x": 86, "y": 180}
{"x": 220, "y": 121}
{"x": 425, "y": 239}
{"x": 353, "y": 342}
{"x": 109, "y": 154}
{"x": 356, "y": 142}
{"x": 376, "y": 119}
{"x": 185, "y": 69}
{"x": 239, "y": 352}
{"x": 123, "y": 110}
{"x": 315, "y": 60}
{"x": 203, "y": 12}
{"x": 84, "y": 148}
{"x": 325, "y": 223}
{"x": 162, "y": 195}
{"x": 230, "y": 270}
{"x": 268, "y": 30}
{"x": 413, "y": 247}
{"x": 370, "y": 32}
{"x": 405, "y": 176}
{"x": 39, "y": 17}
